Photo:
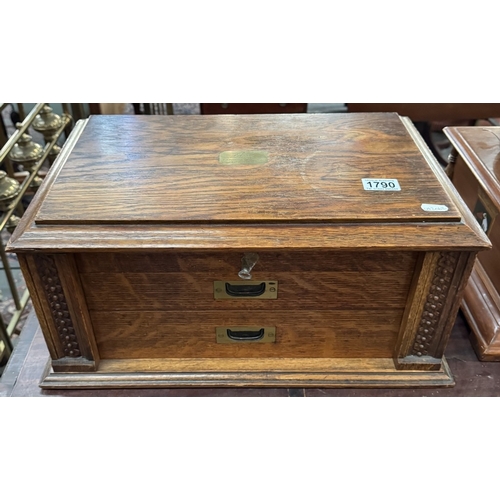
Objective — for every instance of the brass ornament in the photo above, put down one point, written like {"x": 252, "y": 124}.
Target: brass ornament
{"x": 9, "y": 189}
{"x": 48, "y": 123}
{"x": 27, "y": 153}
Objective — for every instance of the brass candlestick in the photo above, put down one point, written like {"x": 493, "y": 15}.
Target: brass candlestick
{"x": 48, "y": 123}
{"x": 9, "y": 189}
{"x": 27, "y": 153}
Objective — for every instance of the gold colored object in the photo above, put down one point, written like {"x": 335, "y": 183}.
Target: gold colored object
{"x": 245, "y": 334}
{"x": 27, "y": 153}
{"x": 21, "y": 128}
{"x": 3, "y": 139}
{"x": 245, "y": 290}
{"x": 48, "y": 123}
{"x": 11, "y": 194}
{"x": 243, "y": 157}
{"x": 9, "y": 189}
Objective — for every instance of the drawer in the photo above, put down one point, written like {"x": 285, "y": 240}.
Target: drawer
{"x": 303, "y": 334}
{"x": 229, "y": 263}
{"x": 306, "y": 281}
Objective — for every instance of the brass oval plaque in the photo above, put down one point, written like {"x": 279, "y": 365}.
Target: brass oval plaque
{"x": 243, "y": 157}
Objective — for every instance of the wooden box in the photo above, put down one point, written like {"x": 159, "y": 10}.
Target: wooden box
{"x": 475, "y": 170}
{"x": 137, "y": 246}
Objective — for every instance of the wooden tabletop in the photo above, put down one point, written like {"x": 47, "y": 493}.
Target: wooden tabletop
{"x": 30, "y": 358}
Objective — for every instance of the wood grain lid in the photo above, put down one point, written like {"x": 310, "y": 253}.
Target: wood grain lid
{"x": 246, "y": 169}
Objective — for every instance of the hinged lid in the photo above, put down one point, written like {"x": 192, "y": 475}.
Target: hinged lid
{"x": 245, "y": 169}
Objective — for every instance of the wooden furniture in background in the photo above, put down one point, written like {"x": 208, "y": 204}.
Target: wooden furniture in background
{"x": 430, "y": 119}
{"x": 95, "y": 108}
{"x": 135, "y": 246}
{"x": 249, "y": 108}
{"x": 475, "y": 171}
{"x": 422, "y": 112}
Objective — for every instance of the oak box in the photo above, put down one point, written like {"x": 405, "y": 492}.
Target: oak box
{"x": 264, "y": 250}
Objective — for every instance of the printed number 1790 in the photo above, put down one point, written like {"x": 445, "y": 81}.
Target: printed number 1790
{"x": 381, "y": 185}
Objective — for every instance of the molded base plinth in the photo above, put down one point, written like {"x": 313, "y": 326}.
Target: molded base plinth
{"x": 150, "y": 373}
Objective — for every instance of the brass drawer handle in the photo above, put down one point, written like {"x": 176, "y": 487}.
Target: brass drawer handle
{"x": 240, "y": 334}
{"x": 245, "y": 290}
{"x": 240, "y": 290}
{"x": 245, "y": 335}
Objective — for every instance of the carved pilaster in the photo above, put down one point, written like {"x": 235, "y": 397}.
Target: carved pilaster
{"x": 54, "y": 294}
{"x": 54, "y": 284}
{"x": 435, "y": 303}
{"x": 435, "y": 296}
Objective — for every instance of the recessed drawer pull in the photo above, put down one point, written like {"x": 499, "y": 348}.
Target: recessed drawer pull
{"x": 245, "y": 290}
{"x": 241, "y": 334}
{"x": 245, "y": 335}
